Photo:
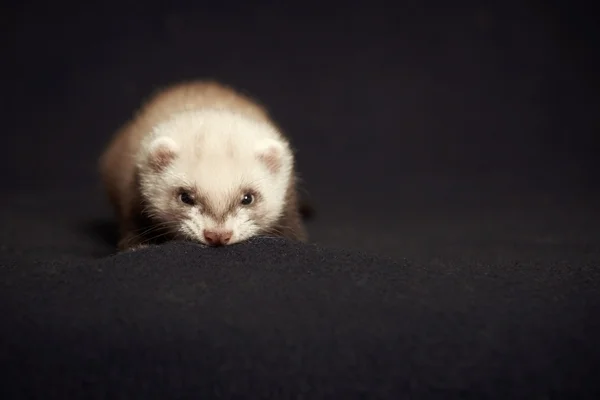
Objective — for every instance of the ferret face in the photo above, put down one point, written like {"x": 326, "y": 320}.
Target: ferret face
{"x": 215, "y": 178}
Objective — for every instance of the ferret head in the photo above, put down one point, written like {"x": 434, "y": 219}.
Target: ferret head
{"x": 214, "y": 176}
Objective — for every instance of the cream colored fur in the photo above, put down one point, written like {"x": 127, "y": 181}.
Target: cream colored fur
{"x": 217, "y": 151}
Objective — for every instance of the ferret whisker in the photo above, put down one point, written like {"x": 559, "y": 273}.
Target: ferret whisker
{"x": 151, "y": 230}
{"x": 275, "y": 231}
{"x": 152, "y": 238}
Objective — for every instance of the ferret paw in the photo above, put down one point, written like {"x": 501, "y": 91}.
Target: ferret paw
{"x": 137, "y": 247}
{"x": 126, "y": 244}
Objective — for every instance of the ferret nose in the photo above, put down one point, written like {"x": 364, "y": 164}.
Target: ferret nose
{"x": 217, "y": 237}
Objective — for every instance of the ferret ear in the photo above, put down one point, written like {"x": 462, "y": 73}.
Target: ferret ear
{"x": 162, "y": 151}
{"x": 271, "y": 152}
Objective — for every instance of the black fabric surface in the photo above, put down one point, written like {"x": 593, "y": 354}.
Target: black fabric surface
{"x": 449, "y": 151}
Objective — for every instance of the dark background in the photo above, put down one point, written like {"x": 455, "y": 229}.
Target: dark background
{"x": 449, "y": 147}
{"x": 391, "y": 106}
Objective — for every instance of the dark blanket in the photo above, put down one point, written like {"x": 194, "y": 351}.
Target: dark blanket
{"x": 455, "y": 249}
{"x": 491, "y": 317}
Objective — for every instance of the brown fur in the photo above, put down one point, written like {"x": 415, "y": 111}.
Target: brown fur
{"x": 118, "y": 170}
{"x": 161, "y": 158}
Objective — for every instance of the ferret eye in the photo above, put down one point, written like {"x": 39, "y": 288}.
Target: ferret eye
{"x": 247, "y": 199}
{"x": 186, "y": 198}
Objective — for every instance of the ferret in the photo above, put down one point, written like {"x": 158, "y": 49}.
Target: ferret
{"x": 201, "y": 161}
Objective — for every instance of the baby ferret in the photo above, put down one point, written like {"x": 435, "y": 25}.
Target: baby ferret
{"x": 200, "y": 161}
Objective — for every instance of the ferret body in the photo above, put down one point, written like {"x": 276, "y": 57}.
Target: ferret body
{"x": 202, "y": 162}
